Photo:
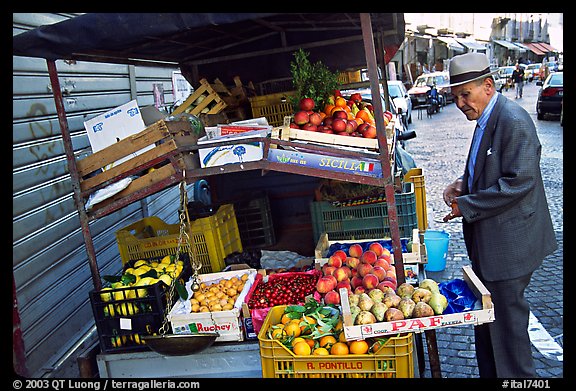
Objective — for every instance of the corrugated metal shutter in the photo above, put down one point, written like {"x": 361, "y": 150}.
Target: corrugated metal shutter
{"x": 50, "y": 265}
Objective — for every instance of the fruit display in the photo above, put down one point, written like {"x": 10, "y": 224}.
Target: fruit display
{"x": 282, "y": 288}
{"x": 353, "y": 117}
{"x": 218, "y": 296}
{"x": 315, "y": 329}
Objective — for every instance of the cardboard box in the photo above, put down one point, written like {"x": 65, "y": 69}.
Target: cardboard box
{"x": 483, "y": 313}
{"x": 363, "y": 167}
{"x": 227, "y": 323}
{"x": 238, "y": 152}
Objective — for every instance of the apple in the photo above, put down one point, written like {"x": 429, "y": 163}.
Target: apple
{"x": 363, "y": 269}
{"x": 336, "y": 93}
{"x": 369, "y": 132}
{"x": 294, "y": 125}
{"x": 315, "y": 118}
{"x": 328, "y": 269}
{"x": 379, "y": 272}
{"x": 307, "y": 104}
{"x": 328, "y": 121}
{"x": 301, "y": 117}
{"x": 332, "y": 297}
{"x": 310, "y": 127}
{"x": 368, "y": 257}
{"x": 327, "y": 131}
{"x": 356, "y": 97}
{"x": 342, "y": 273}
{"x": 341, "y": 254}
{"x": 340, "y": 114}
{"x": 352, "y": 262}
{"x": 325, "y": 284}
{"x": 355, "y": 250}
{"x": 360, "y": 129}
{"x": 370, "y": 281}
{"x": 339, "y": 125}
{"x": 335, "y": 260}
{"x": 344, "y": 133}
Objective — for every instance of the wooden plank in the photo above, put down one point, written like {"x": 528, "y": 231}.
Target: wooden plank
{"x": 122, "y": 148}
{"x": 477, "y": 286}
{"x": 191, "y": 99}
{"x": 142, "y": 161}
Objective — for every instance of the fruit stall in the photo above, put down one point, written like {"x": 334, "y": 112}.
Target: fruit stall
{"x": 356, "y": 308}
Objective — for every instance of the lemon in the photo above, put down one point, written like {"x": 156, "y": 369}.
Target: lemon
{"x": 166, "y": 279}
{"x": 130, "y": 270}
{"x": 109, "y": 310}
{"x": 127, "y": 309}
{"x": 166, "y": 260}
{"x": 136, "y": 338}
{"x": 141, "y": 270}
{"x": 140, "y": 263}
{"x": 153, "y": 265}
{"x": 106, "y": 296}
{"x": 120, "y": 295}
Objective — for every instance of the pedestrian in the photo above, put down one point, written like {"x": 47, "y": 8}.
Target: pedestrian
{"x": 505, "y": 218}
{"x": 518, "y": 78}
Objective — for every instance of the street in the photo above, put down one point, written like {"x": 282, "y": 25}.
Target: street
{"x": 440, "y": 149}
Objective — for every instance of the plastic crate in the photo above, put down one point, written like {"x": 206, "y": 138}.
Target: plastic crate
{"x": 393, "y": 360}
{"x": 124, "y": 315}
{"x": 273, "y": 106}
{"x": 364, "y": 221}
{"x": 254, "y": 219}
{"x": 415, "y": 176}
{"x": 213, "y": 237}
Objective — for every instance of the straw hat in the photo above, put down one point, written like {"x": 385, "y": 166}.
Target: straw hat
{"x": 468, "y": 67}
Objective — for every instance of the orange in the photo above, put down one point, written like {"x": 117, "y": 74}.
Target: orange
{"x": 322, "y": 115}
{"x": 285, "y": 319}
{"x": 305, "y": 323}
{"x": 335, "y": 109}
{"x": 339, "y": 349}
{"x": 359, "y": 120}
{"x": 342, "y": 337}
{"x": 278, "y": 333}
{"x": 297, "y": 339}
{"x": 292, "y": 329}
{"x": 359, "y": 347}
{"x": 310, "y": 342}
{"x": 327, "y": 341}
{"x": 328, "y": 109}
{"x": 320, "y": 352}
{"x": 340, "y": 102}
{"x": 350, "y": 116}
{"x": 347, "y": 108}
{"x": 302, "y": 349}
{"x": 363, "y": 115}
{"x": 339, "y": 326}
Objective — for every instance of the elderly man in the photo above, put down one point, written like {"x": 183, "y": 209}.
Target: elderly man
{"x": 505, "y": 218}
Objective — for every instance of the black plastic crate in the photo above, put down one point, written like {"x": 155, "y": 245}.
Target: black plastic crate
{"x": 254, "y": 219}
{"x": 123, "y": 315}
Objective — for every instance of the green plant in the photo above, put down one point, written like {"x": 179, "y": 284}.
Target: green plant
{"x": 314, "y": 81}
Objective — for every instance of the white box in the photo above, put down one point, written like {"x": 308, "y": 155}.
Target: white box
{"x": 115, "y": 125}
{"x": 227, "y": 323}
{"x": 484, "y": 313}
{"x": 238, "y": 152}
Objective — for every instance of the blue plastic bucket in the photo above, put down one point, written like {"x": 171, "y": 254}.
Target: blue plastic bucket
{"x": 437, "y": 250}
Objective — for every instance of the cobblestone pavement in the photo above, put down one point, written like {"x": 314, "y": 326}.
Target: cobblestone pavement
{"x": 440, "y": 149}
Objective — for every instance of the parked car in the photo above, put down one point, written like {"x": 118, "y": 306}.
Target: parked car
{"x": 550, "y": 95}
{"x": 532, "y": 72}
{"x": 399, "y": 95}
{"x": 499, "y": 82}
{"x": 506, "y": 74}
{"x": 419, "y": 90}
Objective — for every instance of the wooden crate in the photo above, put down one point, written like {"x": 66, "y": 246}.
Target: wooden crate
{"x": 213, "y": 101}
{"x": 156, "y": 168}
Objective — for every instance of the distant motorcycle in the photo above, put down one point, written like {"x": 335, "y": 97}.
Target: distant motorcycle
{"x": 432, "y": 101}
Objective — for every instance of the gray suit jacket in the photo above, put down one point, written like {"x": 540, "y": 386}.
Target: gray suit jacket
{"x": 506, "y": 222}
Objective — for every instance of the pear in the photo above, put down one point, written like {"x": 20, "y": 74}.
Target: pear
{"x": 391, "y": 299}
{"x": 365, "y": 317}
{"x": 422, "y": 310}
{"x": 438, "y": 302}
{"x": 365, "y": 302}
{"x": 354, "y": 311}
{"x": 406, "y": 305}
{"x": 430, "y": 284}
{"x": 392, "y": 314}
{"x": 377, "y": 295}
{"x": 379, "y": 309}
{"x": 421, "y": 294}
{"x": 405, "y": 290}
{"x": 353, "y": 299}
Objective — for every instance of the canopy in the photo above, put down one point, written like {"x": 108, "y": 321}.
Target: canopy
{"x": 452, "y": 44}
{"x": 256, "y": 46}
{"x": 471, "y": 44}
{"x": 508, "y": 45}
{"x": 535, "y": 49}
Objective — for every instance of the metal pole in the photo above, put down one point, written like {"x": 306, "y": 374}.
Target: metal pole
{"x": 74, "y": 176}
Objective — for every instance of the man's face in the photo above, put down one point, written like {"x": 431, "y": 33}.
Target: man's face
{"x": 472, "y": 98}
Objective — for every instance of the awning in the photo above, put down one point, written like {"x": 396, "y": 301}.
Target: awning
{"x": 452, "y": 44}
{"x": 521, "y": 47}
{"x": 508, "y": 45}
{"x": 471, "y": 44}
{"x": 535, "y": 49}
{"x": 545, "y": 47}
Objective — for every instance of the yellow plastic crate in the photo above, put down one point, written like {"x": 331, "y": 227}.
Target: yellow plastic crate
{"x": 274, "y": 107}
{"x": 415, "y": 176}
{"x": 213, "y": 237}
{"x": 393, "y": 360}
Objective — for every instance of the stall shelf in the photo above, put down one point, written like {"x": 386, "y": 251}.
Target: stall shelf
{"x": 139, "y": 49}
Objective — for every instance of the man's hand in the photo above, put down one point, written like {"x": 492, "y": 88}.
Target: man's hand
{"x": 454, "y": 213}
{"x": 452, "y": 191}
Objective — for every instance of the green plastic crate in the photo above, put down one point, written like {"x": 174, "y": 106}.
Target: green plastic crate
{"x": 364, "y": 221}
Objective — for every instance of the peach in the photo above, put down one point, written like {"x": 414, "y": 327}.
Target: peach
{"x": 344, "y": 284}
{"x": 335, "y": 261}
{"x": 325, "y": 284}
{"x": 377, "y": 248}
{"x": 332, "y": 297}
{"x": 379, "y": 272}
{"x": 355, "y": 251}
{"x": 359, "y": 289}
{"x": 370, "y": 281}
{"x": 385, "y": 287}
{"x": 352, "y": 262}
{"x": 387, "y": 283}
{"x": 356, "y": 281}
{"x": 342, "y": 273}
{"x": 368, "y": 257}
{"x": 328, "y": 269}
{"x": 333, "y": 279}
{"x": 384, "y": 264}
{"x": 391, "y": 272}
{"x": 363, "y": 269}
{"x": 341, "y": 254}
{"x": 386, "y": 252}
